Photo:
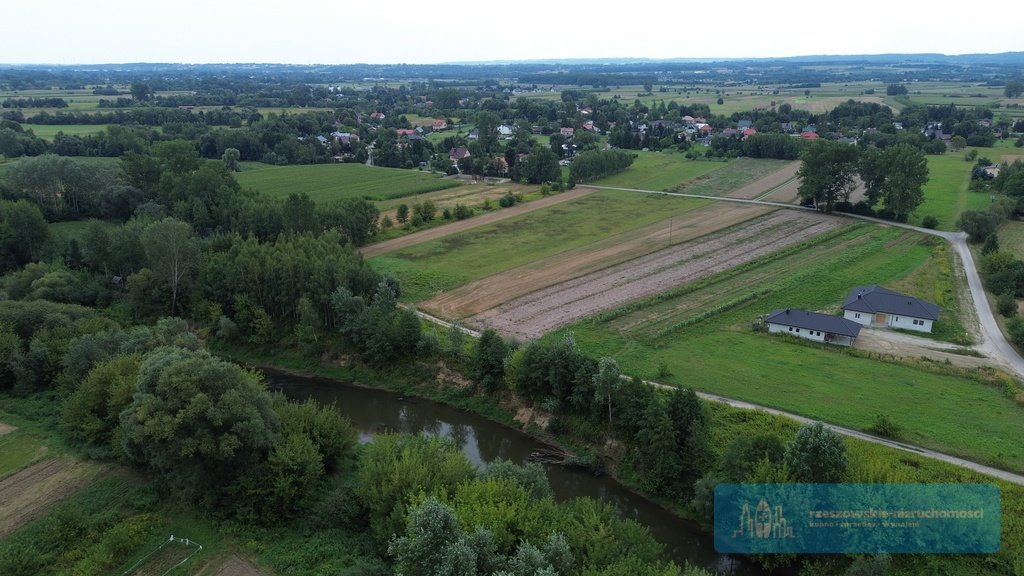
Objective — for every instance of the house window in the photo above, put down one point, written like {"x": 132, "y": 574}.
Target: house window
{"x": 790, "y": 328}
{"x": 797, "y": 330}
{"x": 856, "y": 315}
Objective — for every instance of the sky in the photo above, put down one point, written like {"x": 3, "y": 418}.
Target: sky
{"x": 419, "y": 32}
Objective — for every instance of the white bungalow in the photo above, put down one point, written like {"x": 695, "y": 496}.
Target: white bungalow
{"x": 882, "y": 308}
{"x": 813, "y": 326}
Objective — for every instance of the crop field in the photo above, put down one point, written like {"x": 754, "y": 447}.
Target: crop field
{"x": 700, "y": 334}
{"x": 445, "y": 263}
{"x": 325, "y": 182}
{"x": 946, "y": 195}
{"x": 473, "y": 195}
{"x": 533, "y": 315}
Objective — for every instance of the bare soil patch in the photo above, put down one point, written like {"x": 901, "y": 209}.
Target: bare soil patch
{"x": 1011, "y": 158}
{"x": 907, "y": 346}
{"x": 6, "y": 428}
{"x": 471, "y": 194}
{"x": 480, "y": 295}
{"x": 459, "y": 226}
{"x": 30, "y": 492}
{"x": 760, "y": 186}
{"x": 538, "y": 312}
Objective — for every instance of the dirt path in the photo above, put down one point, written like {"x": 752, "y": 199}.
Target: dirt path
{"x": 536, "y": 313}
{"x": 497, "y": 289}
{"x": 30, "y": 492}
{"x": 461, "y": 225}
{"x": 6, "y": 428}
{"x": 907, "y": 346}
{"x": 239, "y": 565}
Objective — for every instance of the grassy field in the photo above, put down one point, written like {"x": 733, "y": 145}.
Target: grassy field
{"x": 946, "y": 195}
{"x": 1011, "y": 238}
{"x": 62, "y": 232}
{"x": 443, "y": 264}
{"x": 701, "y": 334}
{"x": 48, "y": 131}
{"x": 324, "y": 182}
{"x": 673, "y": 173}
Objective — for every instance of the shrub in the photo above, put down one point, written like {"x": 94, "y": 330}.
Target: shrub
{"x": 884, "y": 427}
{"x": 1006, "y": 304}
{"x": 930, "y": 222}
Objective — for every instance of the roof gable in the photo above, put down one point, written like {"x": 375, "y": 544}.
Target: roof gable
{"x": 814, "y": 321}
{"x": 873, "y": 299}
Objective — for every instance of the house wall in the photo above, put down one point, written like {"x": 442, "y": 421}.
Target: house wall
{"x": 891, "y": 321}
{"x": 907, "y": 323}
{"x": 798, "y": 332}
{"x": 809, "y": 334}
{"x": 862, "y": 318}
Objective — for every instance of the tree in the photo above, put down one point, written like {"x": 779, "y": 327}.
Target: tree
{"x": 979, "y": 224}
{"x": 487, "y": 131}
{"x": 230, "y": 158}
{"x": 606, "y": 381}
{"x": 906, "y": 171}
{"x": 199, "y": 422}
{"x": 23, "y": 233}
{"x": 173, "y": 254}
{"x": 141, "y": 92}
{"x": 826, "y": 176}
{"x": 742, "y": 455}
{"x": 540, "y": 165}
{"x": 656, "y": 447}
{"x": 433, "y": 543}
{"x": 489, "y": 367}
{"x": 1014, "y": 88}
{"x": 90, "y": 415}
{"x": 957, "y": 143}
{"x": 299, "y": 214}
{"x": 692, "y": 444}
{"x": 402, "y": 213}
{"x": 816, "y": 454}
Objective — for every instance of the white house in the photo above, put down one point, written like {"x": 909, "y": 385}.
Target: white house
{"x": 882, "y": 308}
{"x": 505, "y": 130}
{"x": 813, "y": 326}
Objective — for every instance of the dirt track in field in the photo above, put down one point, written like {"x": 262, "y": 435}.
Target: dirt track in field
{"x": 6, "y": 428}
{"x": 480, "y": 295}
{"x": 532, "y": 315}
{"x": 461, "y": 225}
{"x": 29, "y": 493}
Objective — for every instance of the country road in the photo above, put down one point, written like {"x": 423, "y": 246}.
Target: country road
{"x": 743, "y": 405}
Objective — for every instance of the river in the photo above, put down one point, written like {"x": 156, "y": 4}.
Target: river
{"x": 373, "y": 411}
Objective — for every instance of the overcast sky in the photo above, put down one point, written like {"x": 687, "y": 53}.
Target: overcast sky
{"x": 394, "y": 31}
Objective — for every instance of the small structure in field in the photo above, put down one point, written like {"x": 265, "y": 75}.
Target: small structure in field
{"x": 813, "y": 326}
{"x": 882, "y": 308}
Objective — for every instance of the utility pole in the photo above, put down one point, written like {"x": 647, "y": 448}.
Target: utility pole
{"x": 670, "y": 230}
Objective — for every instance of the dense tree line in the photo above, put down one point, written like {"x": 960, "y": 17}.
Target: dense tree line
{"x": 597, "y": 164}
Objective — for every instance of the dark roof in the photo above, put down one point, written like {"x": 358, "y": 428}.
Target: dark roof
{"x": 873, "y": 298}
{"x": 814, "y": 321}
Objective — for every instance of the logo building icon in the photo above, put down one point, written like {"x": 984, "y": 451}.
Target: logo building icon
{"x": 764, "y": 522}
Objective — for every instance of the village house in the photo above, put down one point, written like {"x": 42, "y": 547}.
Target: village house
{"x": 567, "y": 132}
{"x": 813, "y": 326}
{"x": 439, "y": 124}
{"x": 879, "y": 307}
{"x": 377, "y": 116}
{"x": 459, "y": 153}
{"x": 505, "y": 130}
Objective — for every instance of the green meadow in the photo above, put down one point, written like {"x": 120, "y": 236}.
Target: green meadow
{"x": 49, "y": 131}
{"x": 946, "y": 194}
{"x": 325, "y": 182}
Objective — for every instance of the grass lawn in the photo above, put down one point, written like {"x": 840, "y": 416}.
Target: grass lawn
{"x": 324, "y": 182}
{"x": 946, "y": 195}
{"x": 62, "y": 232}
{"x": 454, "y": 260}
{"x": 48, "y": 131}
{"x": 1011, "y": 238}
{"x": 659, "y": 171}
{"x": 711, "y": 347}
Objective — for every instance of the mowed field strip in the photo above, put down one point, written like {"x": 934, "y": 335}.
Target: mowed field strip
{"x": 470, "y": 223}
{"x": 30, "y": 492}
{"x": 533, "y": 315}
